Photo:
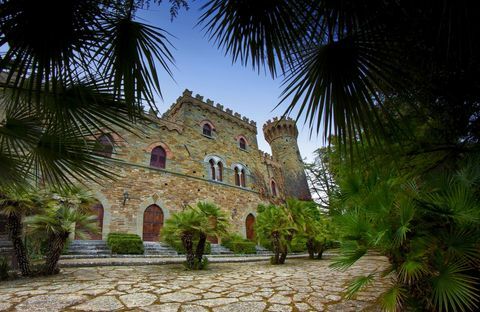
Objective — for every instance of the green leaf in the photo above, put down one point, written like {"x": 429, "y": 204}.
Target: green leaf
{"x": 393, "y": 298}
{"x": 358, "y": 284}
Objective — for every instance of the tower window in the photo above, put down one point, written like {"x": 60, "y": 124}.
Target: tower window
{"x": 242, "y": 143}
{"x": 207, "y": 130}
{"x": 104, "y": 146}
{"x": 237, "y": 176}
{"x": 220, "y": 171}
{"x": 274, "y": 188}
{"x": 212, "y": 169}
{"x": 242, "y": 177}
{"x": 158, "y": 157}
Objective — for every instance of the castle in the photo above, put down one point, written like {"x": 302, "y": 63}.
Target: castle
{"x": 197, "y": 151}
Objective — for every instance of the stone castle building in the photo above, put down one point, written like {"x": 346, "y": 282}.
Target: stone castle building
{"x": 196, "y": 151}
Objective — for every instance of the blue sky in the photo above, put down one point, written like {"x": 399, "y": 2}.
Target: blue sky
{"x": 206, "y": 70}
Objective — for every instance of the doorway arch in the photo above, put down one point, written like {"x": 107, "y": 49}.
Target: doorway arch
{"x": 98, "y": 211}
{"x": 152, "y": 223}
{"x": 249, "y": 227}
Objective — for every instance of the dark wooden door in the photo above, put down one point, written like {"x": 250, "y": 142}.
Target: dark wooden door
{"x": 249, "y": 225}
{"x": 152, "y": 223}
{"x": 98, "y": 211}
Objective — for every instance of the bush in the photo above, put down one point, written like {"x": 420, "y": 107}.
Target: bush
{"x": 178, "y": 246}
{"x": 239, "y": 245}
{"x": 198, "y": 265}
{"x": 298, "y": 244}
{"x": 121, "y": 243}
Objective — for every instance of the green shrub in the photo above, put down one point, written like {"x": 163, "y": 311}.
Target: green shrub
{"x": 4, "y": 268}
{"x": 121, "y": 243}
{"x": 178, "y": 246}
{"x": 298, "y": 244}
{"x": 239, "y": 245}
{"x": 198, "y": 265}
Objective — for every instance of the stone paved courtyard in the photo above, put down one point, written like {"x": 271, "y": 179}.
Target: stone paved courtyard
{"x": 299, "y": 285}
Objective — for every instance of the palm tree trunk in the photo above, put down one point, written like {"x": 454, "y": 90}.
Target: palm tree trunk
{"x": 276, "y": 248}
{"x": 15, "y": 229}
{"x": 187, "y": 241}
{"x": 200, "y": 248}
{"x": 311, "y": 248}
{"x": 321, "y": 249}
{"x": 57, "y": 242}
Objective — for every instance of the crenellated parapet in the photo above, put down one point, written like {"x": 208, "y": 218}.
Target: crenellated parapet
{"x": 280, "y": 127}
{"x": 209, "y": 104}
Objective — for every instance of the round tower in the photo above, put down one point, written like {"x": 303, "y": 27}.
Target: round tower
{"x": 282, "y": 135}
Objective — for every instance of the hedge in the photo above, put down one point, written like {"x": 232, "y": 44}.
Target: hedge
{"x": 239, "y": 245}
{"x": 122, "y": 243}
{"x": 178, "y": 246}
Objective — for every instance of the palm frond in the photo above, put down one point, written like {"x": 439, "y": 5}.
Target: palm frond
{"x": 358, "y": 284}
{"x": 350, "y": 253}
{"x": 393, "y": 299}
{"x": 453, "y": 288}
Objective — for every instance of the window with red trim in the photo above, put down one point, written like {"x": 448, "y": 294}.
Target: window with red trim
{"x": 104, "y": 146}
{"x": 158, "y": 157}
{"x": 207, "y": 130}
{"x": 242, "y": 143}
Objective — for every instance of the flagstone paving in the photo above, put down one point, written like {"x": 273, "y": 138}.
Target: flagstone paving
{"x": 299, "y": 285}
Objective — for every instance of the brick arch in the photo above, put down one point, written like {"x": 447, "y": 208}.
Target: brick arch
{"x": 208, "y": 122}
{"x": 153, "y": 200}
{"x": 244, "y": 221}
{"x": 163, "y": 145}
{"x": 241, "y": 136}
{"x": 116, "y": 138}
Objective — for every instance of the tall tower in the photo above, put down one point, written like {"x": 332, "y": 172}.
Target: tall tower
{"x": 282, "y": 135}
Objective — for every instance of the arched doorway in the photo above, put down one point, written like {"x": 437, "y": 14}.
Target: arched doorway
{"x": 96, "y": 210}
{"x": 152, "y": 223}
{"x": 249, "y": 226}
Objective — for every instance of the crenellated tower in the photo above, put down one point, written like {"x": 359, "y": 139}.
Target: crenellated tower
{"x": 282, "y": 135}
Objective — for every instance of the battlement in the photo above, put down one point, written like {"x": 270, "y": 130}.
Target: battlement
{"x": 279, "y": 127}
{"x": 210, "y": 103}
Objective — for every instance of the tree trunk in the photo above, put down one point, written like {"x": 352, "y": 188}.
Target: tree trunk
{"x": 311, "y": 248}
{"x": 187, "y": 241}
{"x": 283, "y": 257}
{"x": 321, "y": 249}
{"x": 200, "y": 248}
{"x": 55, "y": 248}
{"x": 14, "y": 225}
{"x": 276, "y": 248}
{"x": 284, "y": 249}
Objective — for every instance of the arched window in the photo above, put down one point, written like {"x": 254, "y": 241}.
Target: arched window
{"x": 104, "y": 146}
{"x": 237, "y": 176}
{"x": 158, "y": 157}
{"x": 207, "y": 130}
{"x": 274, "y": 188}
{"x": 220, "y": 171}
{"x": 242, "y": 143}
{"x": 242, "y": 177}
{"x": 212, "y": 169}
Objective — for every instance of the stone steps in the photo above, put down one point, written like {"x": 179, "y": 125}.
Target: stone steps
{"x": 218, "y": 249}
{"x": 158, "y": 248}
{"x": 262, "y": 250}
{"x": 88, "y": 248}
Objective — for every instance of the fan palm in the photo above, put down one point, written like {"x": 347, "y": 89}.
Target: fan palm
{"x": 64, "y": 212}
{"x": 275, "y": 224}
{"x": 14, "y": 205}
{"x": 186, "y": 225}
{"x": 218, "y": 226}
{"x": 342, "y": 59}
{"x": 428, "y": 228}
{"x": 71, "y": 69}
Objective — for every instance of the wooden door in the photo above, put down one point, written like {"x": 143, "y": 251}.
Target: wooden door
{"x": 98, "y": 211}
{"x": 152, "y": 223}
{"x": 249, "y": 225}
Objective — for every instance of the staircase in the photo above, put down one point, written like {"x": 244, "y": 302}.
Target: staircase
{"x": 262, "y": 250}
{"x": 218, "y": 249}
{"x": 87, "y": 248}
{"x": 158, "y": 249}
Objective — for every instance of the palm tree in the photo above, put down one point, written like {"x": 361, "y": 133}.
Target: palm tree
{"x": 14, "y": 205}
{"x": 428, "y": 228}
{"x": 218, "y": 225}
{"x": 342, "y": 60}
{"x": 274, "y": 224}
{"x": 186, "y": 225}
{"x": 64, "y": 212}
{"x": 72, "y": 70}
